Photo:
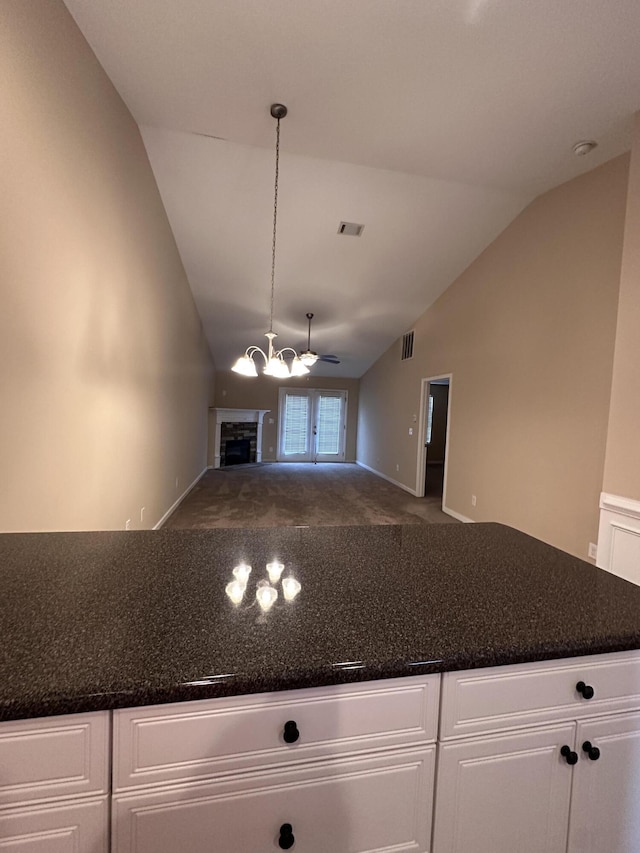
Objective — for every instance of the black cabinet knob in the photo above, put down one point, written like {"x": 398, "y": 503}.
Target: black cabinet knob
{"x": 570, "y": 756}
{"x": 286, "y": 839}
{"x": 592, "y": 751}
{"x": 291, "y": 733}
{"x": 585, "y": 689}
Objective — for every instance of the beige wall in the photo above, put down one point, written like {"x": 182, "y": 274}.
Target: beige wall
{"x": 242, "y": 392}
{"x": 528, "y": 333}
{"x": 622, "y": 463}
{"x": 104, "y": 371}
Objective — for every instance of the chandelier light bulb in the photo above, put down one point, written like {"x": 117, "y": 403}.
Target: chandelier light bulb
{"x": 275, "y": 571}
{"x": 277, "y": 367}
{"x": 290, "y": 587}
{"x": 298, "y": 367}
{"x": 241, "y": 573}
{"x": 245, "y": 366}
{"x": 235, "y": 591}
{"x": 266, "y": 596}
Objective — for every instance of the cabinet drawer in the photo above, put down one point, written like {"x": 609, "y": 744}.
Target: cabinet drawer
{"x": 74, "y": 827}
{"x": 54, "y": 757}
{"x": 168, "y": 743}
{"x": 347, "y": 806}
{"x": 506, "y": 697}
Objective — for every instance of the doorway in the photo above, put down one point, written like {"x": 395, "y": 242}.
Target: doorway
{"x": 311, "y": 425}
{"x": 435, "y": 400}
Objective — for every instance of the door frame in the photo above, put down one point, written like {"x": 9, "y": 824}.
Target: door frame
{"x": 421, "y": 462}
{"x": 312, "y": 394}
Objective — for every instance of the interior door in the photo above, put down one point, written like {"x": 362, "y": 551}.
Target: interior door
{"x": 312, "y": 425}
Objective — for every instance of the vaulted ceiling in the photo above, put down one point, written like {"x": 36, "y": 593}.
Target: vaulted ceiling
{"x": 432, "y": 122}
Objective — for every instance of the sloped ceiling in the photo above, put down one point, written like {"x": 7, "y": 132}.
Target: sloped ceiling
{"x": 433, "y": 122}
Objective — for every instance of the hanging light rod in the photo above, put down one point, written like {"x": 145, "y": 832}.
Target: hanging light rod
{"x": 274, "y": 360}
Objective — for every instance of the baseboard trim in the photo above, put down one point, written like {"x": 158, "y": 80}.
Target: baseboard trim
{"x": 388, "y": 479}
{"x": 175, "y": 505}
{"x": 457, "y": 515}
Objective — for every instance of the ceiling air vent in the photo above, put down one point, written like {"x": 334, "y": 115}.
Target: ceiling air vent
{"x": 350, "y": 229}
{"x": 407, "y": 346}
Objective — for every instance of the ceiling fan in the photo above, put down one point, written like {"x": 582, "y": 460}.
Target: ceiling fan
{"x": 309, "y": 357}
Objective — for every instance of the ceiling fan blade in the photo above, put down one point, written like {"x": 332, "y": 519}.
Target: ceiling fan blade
{"x": 330, "y": 359}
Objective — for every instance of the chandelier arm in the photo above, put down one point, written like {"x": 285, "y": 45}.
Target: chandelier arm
{"x": 251, "y": 351}
{"x": 279, "y": 353}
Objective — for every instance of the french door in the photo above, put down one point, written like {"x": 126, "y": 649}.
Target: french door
{"x": 312, "y": 425}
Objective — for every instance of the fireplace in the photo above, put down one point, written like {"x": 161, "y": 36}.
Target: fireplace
{"x": 237, "y": 451}
{"x": 230, "y": 425}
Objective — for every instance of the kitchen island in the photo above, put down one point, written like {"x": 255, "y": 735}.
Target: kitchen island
{"x": 95, "y": 621}
{"x": 316, "y": 723}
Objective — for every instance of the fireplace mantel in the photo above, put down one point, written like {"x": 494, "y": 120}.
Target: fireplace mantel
{"x": 237, "y": 416}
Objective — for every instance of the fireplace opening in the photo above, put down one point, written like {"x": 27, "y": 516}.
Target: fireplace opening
{"x": 237, "y": 451}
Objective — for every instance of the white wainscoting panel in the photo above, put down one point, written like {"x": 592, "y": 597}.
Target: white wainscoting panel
{"x": 619, "y": 537}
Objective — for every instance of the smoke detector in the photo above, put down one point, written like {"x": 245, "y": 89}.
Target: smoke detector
{"x": 584, "y": 147}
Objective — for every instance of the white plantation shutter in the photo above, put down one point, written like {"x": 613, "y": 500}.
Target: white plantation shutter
{"x": 329, "y": 424}
{"x": 296, "y": 424}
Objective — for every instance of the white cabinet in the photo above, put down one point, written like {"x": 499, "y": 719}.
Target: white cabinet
{"x": 531, "y": 759}
{"x": 506, "y": 792}
{"x": 195, "y": 740}
{"x": 54, "y": 780}
{"x": 72, "y": 826}
{"x": 605, "y": 804}
{"x": 355, "y": 805}
{"x": 347, "y": 768}
{"x": 495, "y": 699}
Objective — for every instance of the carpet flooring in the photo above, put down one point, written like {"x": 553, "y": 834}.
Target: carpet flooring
{"x": 291, "y": 494}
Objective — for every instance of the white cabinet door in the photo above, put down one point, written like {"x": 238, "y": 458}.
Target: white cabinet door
{"x": 54, "y": 758}
{"x": 605, "y": 805}
{"x": 78, "y": 826}
{"x": 505, "y": 793}
{"x": 356, "y": 805}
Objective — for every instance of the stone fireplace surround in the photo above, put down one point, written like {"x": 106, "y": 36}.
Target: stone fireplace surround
{"x": 237, "y": 416}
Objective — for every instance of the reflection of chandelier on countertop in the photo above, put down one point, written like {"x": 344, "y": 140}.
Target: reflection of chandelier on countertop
{"x": 274, "y": 360}
{"x": 266, "y": 592}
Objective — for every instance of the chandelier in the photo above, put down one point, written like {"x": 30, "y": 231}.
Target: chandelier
{"x": 274, "y": 360}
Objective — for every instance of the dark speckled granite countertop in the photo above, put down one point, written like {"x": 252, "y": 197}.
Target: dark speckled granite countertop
{"x": 106, "y": 620}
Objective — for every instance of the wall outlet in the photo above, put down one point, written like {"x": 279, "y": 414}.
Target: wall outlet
{"x": 127, "y": 524}
{"x": 410, "y": 430}
{"x": 271, "y": 450}
{"x": 593, "y": 550}
{"x": 142, "y": 509}
{"x": 271, "y": 421}
{"x": 397, "y": 467}
{"x": 473, "y": 500}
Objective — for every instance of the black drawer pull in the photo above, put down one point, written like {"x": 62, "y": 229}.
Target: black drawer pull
{"x": 585, "y": 689}
{"x": 286, "y": 839}
{"x": 570, "y": 756}
{"x": 291, "y": 733}
{"x": 592, "y": 751}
